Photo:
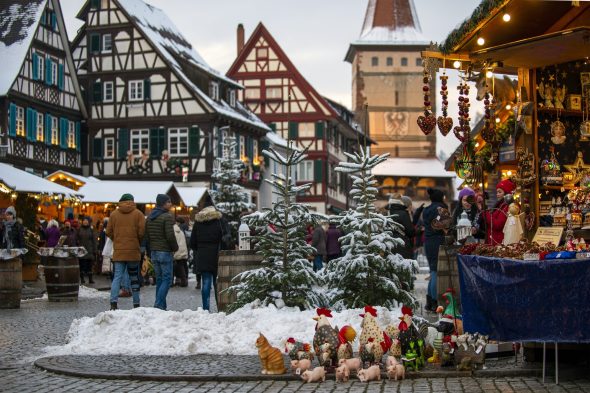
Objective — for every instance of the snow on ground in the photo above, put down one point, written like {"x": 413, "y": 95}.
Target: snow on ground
{"x": 150, "y": 331}
{"x": 84, "y": 292}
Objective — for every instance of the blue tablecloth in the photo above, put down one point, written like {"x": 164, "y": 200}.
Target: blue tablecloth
{"x": 514, "y": 300}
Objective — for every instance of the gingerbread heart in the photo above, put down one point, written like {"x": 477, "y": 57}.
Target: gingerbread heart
{"x": 462, "y": 132}
{"x": 445, "y": 124}
{"x": 427, "y": 123}
{"x": 488, "y": 133}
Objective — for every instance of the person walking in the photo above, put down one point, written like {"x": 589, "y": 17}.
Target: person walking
{"x": 12, "y": 232}
{"x": 400, "y": 215}
{"x": 87, "y": 239}
{"x": 332, "y": 243}
{"x": 206, "y": 243}
{"x": 126, "y": 229}
{"x": 52, "y": 233}
{"x": 70, "y": 233}
{"x": 161, "y": 245}
{"x": 433, "y": 239}
{"x": 318, "y": 241}
{"x": 181, "y": 255}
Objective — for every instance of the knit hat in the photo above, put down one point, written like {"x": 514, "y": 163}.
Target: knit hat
{"x": 395, "y": 198}
{"x": 11, "y": 210}
{"x": 466, "y": 191}
{"x": 126, "y": 197}
{"x": 435, "y": 194}
{"x": 407, "y": 201}
{"x": 161, "y": 199}
{"x": 507, "y": 186}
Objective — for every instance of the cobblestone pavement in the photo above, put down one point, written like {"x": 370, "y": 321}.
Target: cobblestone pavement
{"x": 25, "y": 332}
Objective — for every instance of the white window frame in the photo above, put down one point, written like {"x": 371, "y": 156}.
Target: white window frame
{"x": 252, "y": 93}
{"x": 104, "y": 42}
{"x": 54, "y": 131}
{"x": 106, "y": 87}
{"x": 261, "y": 53}
{"x": 254, "y": 149}
{"x": 109, "y": 147}
{"x": 214, "y": 90}
{"x": 232, "y": 98}
{"x": 178, "y": 142}
{"x": 274, "y": 90}
{"x": 40, "y": 129}
{"x": 20, "y": 121}
{"x": 305, "y": 171}
{"x": 140, "y": 141}
{"x": 242, "y": 147}
{"x": 71, "y": 135}
{"x": 40, "y": 66}
{"x": 136, "y": 90}
{"x": 54, "y": 63}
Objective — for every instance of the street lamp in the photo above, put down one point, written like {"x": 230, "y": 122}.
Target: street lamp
{"x": 463, "y": 227}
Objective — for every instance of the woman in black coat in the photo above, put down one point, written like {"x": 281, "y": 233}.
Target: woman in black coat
{"x": 206, "y": 243}
{"x": 399, "y": 214}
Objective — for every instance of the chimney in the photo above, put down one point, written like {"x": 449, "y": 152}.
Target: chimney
{"x": 240, "y": 38}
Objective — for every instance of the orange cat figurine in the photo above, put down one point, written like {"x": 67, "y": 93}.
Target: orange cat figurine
{"x": 271, "y": 358}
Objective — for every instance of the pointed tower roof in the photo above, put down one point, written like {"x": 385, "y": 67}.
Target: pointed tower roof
{"x": 389, "y": 23}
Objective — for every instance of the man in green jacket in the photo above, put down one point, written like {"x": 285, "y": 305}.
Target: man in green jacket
{"x": 161, "y": 245}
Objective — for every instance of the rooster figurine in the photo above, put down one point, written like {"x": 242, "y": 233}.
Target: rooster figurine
{"x": 381, "y": 342}
{"x": 325, "y": 340}
{"x": 407, "y": 331}
{"x": 346, "y": 336}
{"x": 298, "y": 350}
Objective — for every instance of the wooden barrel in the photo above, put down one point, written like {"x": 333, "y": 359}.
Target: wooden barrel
{"x": 11, "y": 282}
{"x": 62, "y": 277}
{"x": 447, "y": 274}
{"x": 232, "y": 263}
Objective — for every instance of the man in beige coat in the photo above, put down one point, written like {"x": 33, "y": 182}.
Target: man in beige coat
{"x": 126, "y": 229}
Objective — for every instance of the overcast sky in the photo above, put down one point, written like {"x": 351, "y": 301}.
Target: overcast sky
{"x": 315, "y": 34}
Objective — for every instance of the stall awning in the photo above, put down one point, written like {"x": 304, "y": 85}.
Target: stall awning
{"x": 413, "y": 167}
{"x": 22, "y": 181}
{"x": 191, "y": 196}
{"x": 110, "y": 191}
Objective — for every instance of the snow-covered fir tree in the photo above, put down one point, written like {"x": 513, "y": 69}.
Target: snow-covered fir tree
{"x": 286, "y": 276}
{"x": 230, "y": 198}
{"x": 370, "y": 271}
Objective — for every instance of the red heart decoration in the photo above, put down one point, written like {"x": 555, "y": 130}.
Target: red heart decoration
{"x": 445, "y": 124}
{"x": 427, "y": 123}
{"x": 462, "y": 132}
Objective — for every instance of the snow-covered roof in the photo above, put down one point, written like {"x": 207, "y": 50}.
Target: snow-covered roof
{"x": 391, "y": 22}
{"x": 275, "y": 139}
{"x": 173, "y": 46}
{"x": 413, "y": 167}
{"x": 18, "y": 23}
{"x": 22, "y": 181}
{"x": 80, "y": 178}
{"x": 191, "y": 196}
{"x": 110, "y": 191}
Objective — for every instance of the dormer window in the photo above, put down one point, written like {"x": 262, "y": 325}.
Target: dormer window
{"x": 214, "y": 90}
{"x": 232, "y": 98}
{"x": 262, "y": 53}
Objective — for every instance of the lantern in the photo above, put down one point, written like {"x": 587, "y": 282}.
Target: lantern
{"x": 243, "y": 237}
{"x": 463, "y": 227}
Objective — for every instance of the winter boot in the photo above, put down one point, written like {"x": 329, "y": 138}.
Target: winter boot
{"x": 136, "y": 306}
{"x": 428, "y": 306}
{"x": 113, "y": 306}
{"x": 90, "y": 280}
{"x": 82, "y": 278}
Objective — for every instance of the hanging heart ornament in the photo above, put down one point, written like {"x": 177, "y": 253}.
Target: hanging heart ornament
{"x": 462, "y": 133}
{"x": 427, "y": 122}
{"x": 445, "y": 124}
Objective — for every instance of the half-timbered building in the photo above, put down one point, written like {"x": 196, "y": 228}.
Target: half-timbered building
{"x": 41, "y": 106}
{"x": 156, "y": 109}
{"x": 276, "y": 92}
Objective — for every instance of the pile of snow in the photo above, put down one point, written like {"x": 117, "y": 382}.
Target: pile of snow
{"x": 150, "y": 331}
{"x": 83, "y": 293}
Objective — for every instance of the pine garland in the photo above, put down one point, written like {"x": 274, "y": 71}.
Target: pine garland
{"x": 369, "y": 272}
{"x": 286, "y": 276}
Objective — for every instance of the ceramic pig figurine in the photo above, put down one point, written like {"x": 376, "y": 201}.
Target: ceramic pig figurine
{"x": 342, "y": 373}
{"x": 353, "y": 364}
{"x": 391, "y": 361}
{"x": 372, "y": 373}
{"x": 316, "y": 375}
{"x": 301, "y": 365}
{"x": 397, "y": 371}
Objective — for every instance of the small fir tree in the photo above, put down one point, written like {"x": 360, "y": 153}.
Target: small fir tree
{"x": 229, "y": 197}
{"x": 370, "y": 271}
{"x": 286, "y": 275}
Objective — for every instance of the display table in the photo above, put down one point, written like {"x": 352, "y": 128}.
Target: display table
{"x": 513, "y": 300}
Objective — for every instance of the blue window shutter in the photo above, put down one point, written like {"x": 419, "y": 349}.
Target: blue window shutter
{"x": 249, "y": 148}
{"x": 63, "y": 133}
{"x": 97, "y": 147}
{"x": 53, "y": 21}
{"x": 293, "y": 130}
{"x": 163, "y": 139}
{"x": 147, "y": 89}
{"x": 318, "y": 171}
{"x": 60, "y": 76}
{"x": 194, "y": 141}
{"x": 48, "y": 74}
{"x": 123, "y": 143}
{"x": 12, "y": 125}
{"x": 29, "y": 125}
{"x": 35, "y": 124}
{"x": 94, "y": 43}
{"x": 238, "y": 146}
{"x": 78, "y": 136}
{"x": 35, "y": 66}
{"x": 154, "y": 143}
{"x": 319, "y": 130}
{"x": 47, "y": 129}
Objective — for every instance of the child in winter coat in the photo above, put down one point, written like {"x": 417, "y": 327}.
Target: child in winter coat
{"x": 180, "y": 256}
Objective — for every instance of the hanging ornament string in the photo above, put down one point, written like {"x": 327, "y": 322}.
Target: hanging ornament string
{"x": 426, "y": 122}
{"x": 462, "y": 131}
{"x": 488, "y": 132}
{"x": 445, "y": 123}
